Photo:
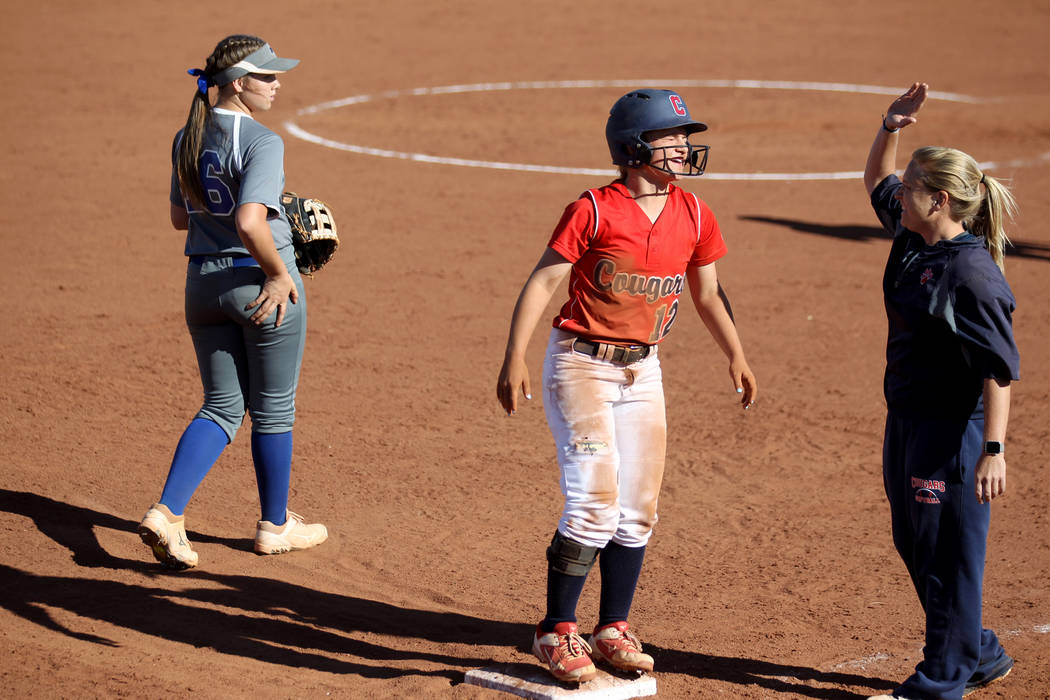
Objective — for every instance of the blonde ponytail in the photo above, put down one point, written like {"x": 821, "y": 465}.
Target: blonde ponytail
{"x": 999, "y": 205}
{"x": 977, "y": 200}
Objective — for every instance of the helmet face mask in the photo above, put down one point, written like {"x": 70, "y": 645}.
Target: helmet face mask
{"x": 695, "y": 160}
{"x": 642, "y": 111}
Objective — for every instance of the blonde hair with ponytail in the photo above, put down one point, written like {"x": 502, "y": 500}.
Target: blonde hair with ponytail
{"x": 982, "y": 213}
{"x": 227, "y": 52}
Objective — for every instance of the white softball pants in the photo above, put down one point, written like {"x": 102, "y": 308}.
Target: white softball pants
{"x": 610, "y": 431}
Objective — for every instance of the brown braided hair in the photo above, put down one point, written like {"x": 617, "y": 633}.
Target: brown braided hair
{"x": 227, "y": 52}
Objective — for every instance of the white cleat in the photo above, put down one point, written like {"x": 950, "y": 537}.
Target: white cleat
{"x": 166, "y": 535}
{"x": 293, "y": 535}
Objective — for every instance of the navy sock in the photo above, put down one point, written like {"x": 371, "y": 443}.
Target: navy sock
{"x": 272, "y": 455}
{"x": 620, "y": 567}
{"x": 200, "y": 445}
{"x": 563, "y": 593}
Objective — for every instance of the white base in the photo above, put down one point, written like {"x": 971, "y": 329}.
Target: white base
{"x": 531, "y": 681}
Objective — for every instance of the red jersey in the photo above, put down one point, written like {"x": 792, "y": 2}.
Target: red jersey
{"x": 627, "y": 272}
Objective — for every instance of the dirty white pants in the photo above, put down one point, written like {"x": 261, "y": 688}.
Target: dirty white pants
{"x": 610, "y": 431}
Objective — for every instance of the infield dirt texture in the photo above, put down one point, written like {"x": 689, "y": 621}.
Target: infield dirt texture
{"x": 771, "y": 573}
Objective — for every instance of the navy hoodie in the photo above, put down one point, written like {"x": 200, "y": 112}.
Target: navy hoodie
{"x": 949, "y": 311}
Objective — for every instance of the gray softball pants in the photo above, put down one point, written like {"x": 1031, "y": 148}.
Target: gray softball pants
{"x": 244, "y": 367}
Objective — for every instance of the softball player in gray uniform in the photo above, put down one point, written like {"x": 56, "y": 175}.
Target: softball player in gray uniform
{"x": 245, "y": 306}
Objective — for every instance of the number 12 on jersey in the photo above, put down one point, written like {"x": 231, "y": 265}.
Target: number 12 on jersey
{"x": 665, "y": 317}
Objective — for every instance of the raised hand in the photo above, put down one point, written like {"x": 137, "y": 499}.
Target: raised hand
{"x": 903, "y": 110}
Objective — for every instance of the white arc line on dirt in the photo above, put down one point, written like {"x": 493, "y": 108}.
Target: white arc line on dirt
{"x": 300, "y": 133}
{"x": 862, "y": 664}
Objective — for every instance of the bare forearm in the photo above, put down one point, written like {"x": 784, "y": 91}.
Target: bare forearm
{"x": 535, "y": 295}
{"x": 996, "y": 409}
{"x": 261, "y": 246}
{"x": 713, "y": 308}
{"x": 716, "y": 318}
{"x": 254, "y": 231}
{"x": 990, "y": 476}
{"x": 180, "y": 218}
{"x": 531, "y": 304}
{"x": 882, "y": 158}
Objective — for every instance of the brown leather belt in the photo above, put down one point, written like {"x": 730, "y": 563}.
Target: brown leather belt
{"x": 620, "y": 354}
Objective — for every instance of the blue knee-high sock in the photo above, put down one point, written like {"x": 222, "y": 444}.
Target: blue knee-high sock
{"x": 200, "y": 445}
{"x": 620, "y": 567}
{"x": 272, "y": 455}
{"x": 563, "y": 593}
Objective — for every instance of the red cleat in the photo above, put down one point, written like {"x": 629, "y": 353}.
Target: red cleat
{"x": 617, "y": 646}
{"x": 565, "y": 653}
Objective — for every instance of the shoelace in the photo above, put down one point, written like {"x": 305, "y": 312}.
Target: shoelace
{"x": 633, "y": 640}
{"x": 573, "y": 645}
{"x": 628, "y": 641}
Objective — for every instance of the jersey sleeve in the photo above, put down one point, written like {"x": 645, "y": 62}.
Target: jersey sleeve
{"x": 983, "y": 319}
{"x": 710, "y": 245}
{"x": 262, "y": 178}
{"x": 574, "y": 231}
{"x": 886, "y": 205}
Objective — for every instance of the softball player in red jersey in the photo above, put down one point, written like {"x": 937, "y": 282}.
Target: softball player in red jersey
{"x": 629, "y": 249}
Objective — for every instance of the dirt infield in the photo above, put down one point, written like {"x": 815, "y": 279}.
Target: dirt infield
{"x": 771, "y": 573}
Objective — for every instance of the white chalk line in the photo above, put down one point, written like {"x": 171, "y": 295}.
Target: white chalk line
{"x": 1038, "y": 629}
{"x": 877, "y": 658}
{"x": 861, "y": 664}
{"x": 300, "y": 133}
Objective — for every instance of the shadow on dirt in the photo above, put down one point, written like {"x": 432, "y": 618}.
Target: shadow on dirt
{"x": 779, "y": 678}
{"x": 286, "y": 624}
{"x": 1016, "y": 249}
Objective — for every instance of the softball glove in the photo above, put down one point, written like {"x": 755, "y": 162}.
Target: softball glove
{"x": 313, "y": 231}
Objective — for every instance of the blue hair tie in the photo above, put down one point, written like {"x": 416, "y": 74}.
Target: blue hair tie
{"x": 203, "y": 81}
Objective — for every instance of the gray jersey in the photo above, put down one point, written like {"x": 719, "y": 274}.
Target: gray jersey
{"x": 241, "y": 161}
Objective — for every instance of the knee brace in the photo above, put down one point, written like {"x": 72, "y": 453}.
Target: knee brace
{"x": 570, "y": 557}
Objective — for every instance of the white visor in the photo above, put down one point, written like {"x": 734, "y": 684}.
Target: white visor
{"x": 263, "y": 60}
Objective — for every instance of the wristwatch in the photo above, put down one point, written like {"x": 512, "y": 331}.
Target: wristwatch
{"x": 993, "y": 447}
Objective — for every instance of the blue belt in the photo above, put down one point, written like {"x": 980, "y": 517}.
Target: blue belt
{"x": 238, "y": 261}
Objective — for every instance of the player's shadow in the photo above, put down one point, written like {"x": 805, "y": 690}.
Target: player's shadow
{"x": 254, "y": 617}
{"x": 1017, "y": 248}
{"x": 779, "y": 678}
{"x": 292, "y": 625}
{"x": 73, "y": 527}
